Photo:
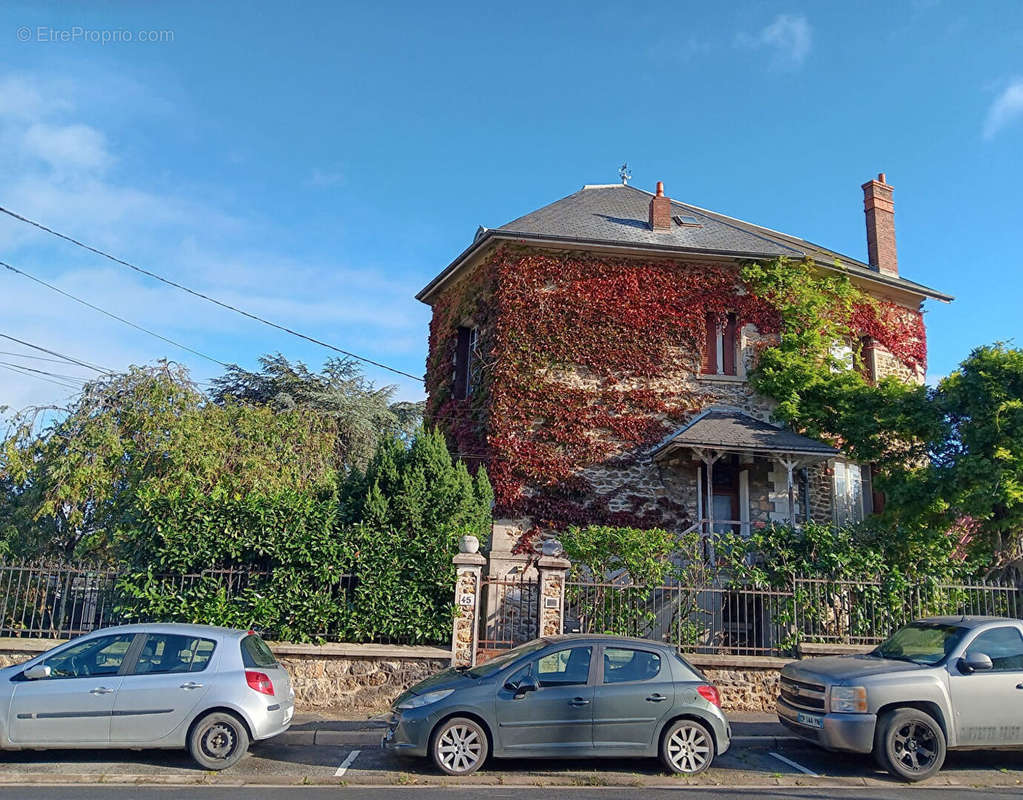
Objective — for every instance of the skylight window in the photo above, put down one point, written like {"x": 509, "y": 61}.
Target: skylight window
{"x": 687, "y": 221}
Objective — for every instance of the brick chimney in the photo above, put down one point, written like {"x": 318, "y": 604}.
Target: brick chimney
{"x": 880, "y": 211}
{"x": 660, "y": 210}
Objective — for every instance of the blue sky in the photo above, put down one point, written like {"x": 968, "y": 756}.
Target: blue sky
{"x": 319, "y": 163}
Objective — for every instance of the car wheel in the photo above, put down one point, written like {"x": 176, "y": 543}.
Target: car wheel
{"x": 459, "y": 747}
{"x": 910, "y": 744}
{"x": 218, "y": 741}
{"x": 687, "y": 747}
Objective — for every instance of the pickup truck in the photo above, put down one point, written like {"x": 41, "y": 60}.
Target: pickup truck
{"x": 936, "y": 684}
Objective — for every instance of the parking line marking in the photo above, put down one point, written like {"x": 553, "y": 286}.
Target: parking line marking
{"x": 347, "y": 763}
{"x": 794, "y": 765}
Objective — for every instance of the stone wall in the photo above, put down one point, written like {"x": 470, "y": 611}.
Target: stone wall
{"x": 746, "y": 683}
{"x": 356, "y": 678}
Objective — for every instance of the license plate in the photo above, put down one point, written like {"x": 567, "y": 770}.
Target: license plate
{"x": 810, "y": 720}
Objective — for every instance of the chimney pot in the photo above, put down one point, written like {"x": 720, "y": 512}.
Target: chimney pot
{"x": 879, "y": 209}
{"x": 660, "y": 210}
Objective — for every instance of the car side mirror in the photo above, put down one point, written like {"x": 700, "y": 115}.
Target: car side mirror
{"x": 975, "y": 662}
{"x": 520, "y": 688}
{"x": 37, "y": 672}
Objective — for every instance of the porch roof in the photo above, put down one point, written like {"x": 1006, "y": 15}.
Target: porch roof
{"x": 732, "y": 430}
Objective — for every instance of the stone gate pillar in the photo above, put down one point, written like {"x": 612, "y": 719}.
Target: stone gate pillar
{"x": 552, "y": 567}
{"x": 469, "y": 572}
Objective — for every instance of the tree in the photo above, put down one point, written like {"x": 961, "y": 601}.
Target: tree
{"x": 978, "y": 468}
{"x": 408, "y": 511}
{"x": 362, "y": 412}
{"x": 70, "y": 486}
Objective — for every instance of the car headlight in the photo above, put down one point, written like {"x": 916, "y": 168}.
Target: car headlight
{"x": 419, "y": 700}
{"x": 849, "y": 699}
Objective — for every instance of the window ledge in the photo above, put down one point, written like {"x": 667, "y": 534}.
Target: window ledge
{"x": 721, "y": 378}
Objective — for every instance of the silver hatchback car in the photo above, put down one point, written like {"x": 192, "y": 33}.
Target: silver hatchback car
{"x": 210, "y": 690}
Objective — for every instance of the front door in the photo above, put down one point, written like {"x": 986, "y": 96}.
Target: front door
{"x": 633, "y": 694}
{"x": 168, "y": 680}
{"x": 557, "y": 718}
{"x": 988, "y": 705}
{"x": 76, "y": 702}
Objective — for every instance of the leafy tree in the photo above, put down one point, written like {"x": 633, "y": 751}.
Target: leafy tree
{"x": 978, "y": 469}
{"x": 69, "y": 486}
{"x": 362, "y": 412}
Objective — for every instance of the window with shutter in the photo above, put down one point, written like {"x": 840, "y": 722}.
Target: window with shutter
{"x": 720, "y": 352}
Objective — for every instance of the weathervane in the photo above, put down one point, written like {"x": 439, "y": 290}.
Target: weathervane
{"x": 624, "y": 174}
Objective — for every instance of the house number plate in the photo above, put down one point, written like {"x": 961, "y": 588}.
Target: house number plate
{"x": 550, "y": 602}
{"x": 466, "y": 600}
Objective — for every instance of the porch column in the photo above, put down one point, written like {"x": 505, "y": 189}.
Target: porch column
{"x": 790, "y": 464}
{"x": 465, "y": 631}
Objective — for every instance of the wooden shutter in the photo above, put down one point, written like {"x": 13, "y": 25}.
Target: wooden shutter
{"x": 710, "y": 349}
{"x": 461, "y": 363}
{"x": 728, "y": 346}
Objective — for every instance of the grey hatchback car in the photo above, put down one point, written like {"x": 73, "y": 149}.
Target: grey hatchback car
{"x": 571, "y": 696}
{"x": 212, "y": 690}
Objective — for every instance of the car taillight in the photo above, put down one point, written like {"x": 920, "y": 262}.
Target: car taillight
{"x": 710, "y": 694}
{"x": 259, "y": 681}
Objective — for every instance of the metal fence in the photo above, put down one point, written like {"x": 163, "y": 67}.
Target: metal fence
{"x": 57, "y": 600}
{"x": 720, "y": 617}
{"x": 509, "y": 613}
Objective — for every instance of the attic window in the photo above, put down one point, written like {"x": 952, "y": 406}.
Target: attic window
{"x": 687, "y": 221}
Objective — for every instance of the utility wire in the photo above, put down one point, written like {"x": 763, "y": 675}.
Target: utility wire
{"x": 34, "y": 358}
{"x": 109, "y": 314}
{"x": 41, "y": 378}
{"x": 44, "y": 372}
{"x": 202, "y": 296}
{"x": 77, "y": 361}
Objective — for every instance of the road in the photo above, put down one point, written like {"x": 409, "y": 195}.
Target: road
{"x": 492, "y": 793}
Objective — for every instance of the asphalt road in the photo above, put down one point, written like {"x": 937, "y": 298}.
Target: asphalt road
{"x": 492, "y": 793}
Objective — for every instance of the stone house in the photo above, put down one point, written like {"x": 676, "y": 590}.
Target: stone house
{"x": 594, "y": 354}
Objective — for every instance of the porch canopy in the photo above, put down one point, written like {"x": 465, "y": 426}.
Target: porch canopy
{"x": 719, "y": 431}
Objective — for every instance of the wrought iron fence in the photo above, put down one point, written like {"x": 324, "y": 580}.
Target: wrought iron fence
{"x": 723, "y": 618}
{"x": 509, "y": 613}
{"x": 57, "y": 600}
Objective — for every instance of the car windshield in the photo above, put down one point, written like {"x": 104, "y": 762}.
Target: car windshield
{"x": 922, "y": 642}
{"x": 500, "y": 662}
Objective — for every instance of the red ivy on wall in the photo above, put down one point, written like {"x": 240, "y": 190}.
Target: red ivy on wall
{"x": 582, "y": 360}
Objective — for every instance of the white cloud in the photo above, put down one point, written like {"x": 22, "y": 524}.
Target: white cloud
{"x": 1006, "y": 109}
{"x": 67, "y": 146}
{"x": 789, "y": 37}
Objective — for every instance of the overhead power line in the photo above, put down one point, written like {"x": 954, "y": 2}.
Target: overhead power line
{"x": 20, "y": 371}
{"x": 69, "y": 378}
{"x": 205, "y": 297}
{"x": 86, "y": 303}
{"x": 41, "y": 349}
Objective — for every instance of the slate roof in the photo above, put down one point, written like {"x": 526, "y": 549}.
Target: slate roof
{"x": 617, "y": 214}
{"x": 734, "y": 430}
